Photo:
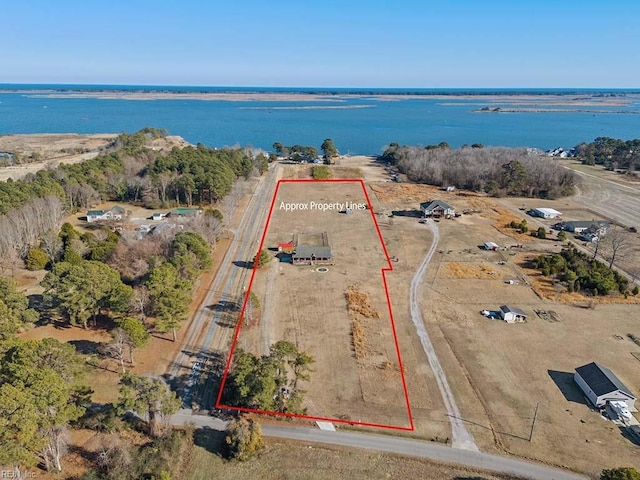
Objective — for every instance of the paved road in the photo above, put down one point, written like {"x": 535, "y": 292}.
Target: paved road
{"x": 421, "y": 449}
{"x": 399, "y": 446}
{"x": 460, "y": 436}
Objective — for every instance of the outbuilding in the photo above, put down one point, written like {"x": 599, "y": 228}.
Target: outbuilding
{"x": 545, "y": 213}
{"x": 601, "y": 386}
{"x": 288, "y": 247}
{"x": 491, "y": 246}
{"x": 512, "y": 314}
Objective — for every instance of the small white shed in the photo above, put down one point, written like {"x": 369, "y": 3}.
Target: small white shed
{"x": 491, "y": 246}
{"x": 511, "y": 314}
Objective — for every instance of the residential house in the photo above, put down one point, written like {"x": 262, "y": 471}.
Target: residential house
{"x": 437, "y": 208}
{"x": 580, "y": 226}
{"x": 601, "y": 386}
{"x": 305, "y": 255}
{"x": 94, "y": 215}
{"x": 114, "y": 213}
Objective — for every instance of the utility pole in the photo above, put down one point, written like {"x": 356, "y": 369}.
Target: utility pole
{"x": 533, "y": 424}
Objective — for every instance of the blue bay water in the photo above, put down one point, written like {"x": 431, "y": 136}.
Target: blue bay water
{"x": 411, "y": 121}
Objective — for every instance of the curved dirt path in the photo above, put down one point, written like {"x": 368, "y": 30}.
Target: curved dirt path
{"x": 460, "y": 436}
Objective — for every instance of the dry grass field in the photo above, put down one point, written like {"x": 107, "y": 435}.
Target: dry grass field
{"x": 49, "y": 150}
{"x": 283, "y": 460}
{"x": 498, "y": 371}
{"x": 340, "y": 316}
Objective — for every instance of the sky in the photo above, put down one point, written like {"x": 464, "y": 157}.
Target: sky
{"x": 327, "y": 43}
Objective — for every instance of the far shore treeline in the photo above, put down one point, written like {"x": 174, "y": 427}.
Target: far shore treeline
{"x": 501, "y": 171}
{"x": 498, "y": 171}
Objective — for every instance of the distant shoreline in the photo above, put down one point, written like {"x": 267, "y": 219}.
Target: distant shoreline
{"x": 538, "y": 99}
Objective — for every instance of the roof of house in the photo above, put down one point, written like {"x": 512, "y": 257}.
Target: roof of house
{"x": 517, "y": 311}
{"x": 95, "y": 212}
{"x": 303, "y": 251}
{"x": 117, "y": 209}
{"x": 549, "y": 211}
{"x": 585, "y": 223}
{"x": 601, "y": 380}
{"x": 285, "y": 244}
{"x": 432, "y": 204}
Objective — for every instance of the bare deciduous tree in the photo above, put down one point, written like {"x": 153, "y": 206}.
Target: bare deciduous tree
{"x": 478, "y": 168}
{"x": 55, "y": 448}
{"x": 140, "y": 302}
{"x": 616, "y": 243}
{"x": 51, "y": 244}
{"x": 117, "y": 348}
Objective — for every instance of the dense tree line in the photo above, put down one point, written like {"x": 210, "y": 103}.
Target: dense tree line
{"x": 497, "y": 171}
{"x": 297, "y": 153}
{"x": 580, "y": 272}
{"x": 270, "y": 382}
{"x": 200, "y": 175}
{"x": 23, "y": 226}
{"x": 131, "y": 172}
{"x": 14, "y": 309}
{"x": 612, "y": 153}
{"x": 40, "y": 395}
{"x": 160, "y": 273}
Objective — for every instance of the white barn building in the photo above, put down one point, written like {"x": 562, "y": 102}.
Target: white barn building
{"x": 600, "y": 385}
{"x": 545, "y": 213}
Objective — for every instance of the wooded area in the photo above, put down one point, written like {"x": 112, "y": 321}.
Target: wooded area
{"x": 580, "y": 272}
{"x": 133, "y": 286}
{"x": 611, "y": 153}
{"x": 498, "y": 171}
{"x": 133, "y": 173}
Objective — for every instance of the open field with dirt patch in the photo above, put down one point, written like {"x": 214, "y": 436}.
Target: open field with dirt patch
{"x": 499, "y": 371}
{"x": 38, "y": 151}
{"x": 44, "y": 150}
{"x": 339, "y": 316}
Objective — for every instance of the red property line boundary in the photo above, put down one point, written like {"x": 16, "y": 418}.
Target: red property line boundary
{"x": 384, "y": 271}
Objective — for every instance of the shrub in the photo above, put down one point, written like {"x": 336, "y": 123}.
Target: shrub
{"x": 634, "y": 291}
{"x": 244, "y": 438}
{"x": 36, "y": 259}
{"x": 562, "y": 235}
{"x": 263, "y": 258}
{"x": 320, "y": 172}
{"x": 627, "y": 473}
{"x": 542, "y": 233}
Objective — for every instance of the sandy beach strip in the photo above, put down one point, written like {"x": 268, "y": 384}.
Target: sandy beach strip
{"x": 547, "y": 99}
